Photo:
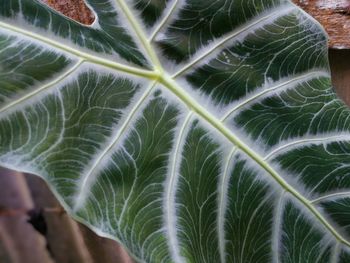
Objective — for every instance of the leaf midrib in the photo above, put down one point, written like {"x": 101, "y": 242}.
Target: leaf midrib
{"x": 81, "y": 54}
{"x": 162, "y": 77}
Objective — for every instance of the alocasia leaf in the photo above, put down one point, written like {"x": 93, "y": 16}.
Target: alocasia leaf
{"x": 190, "y": 131}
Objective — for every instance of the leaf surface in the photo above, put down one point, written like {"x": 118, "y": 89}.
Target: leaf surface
{"x": 190, "y": 131}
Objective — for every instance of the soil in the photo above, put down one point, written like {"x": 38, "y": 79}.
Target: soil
{"x": 75, "y": 9}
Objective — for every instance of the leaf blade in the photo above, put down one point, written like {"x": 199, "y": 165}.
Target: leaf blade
{"x": 126, "y": 149}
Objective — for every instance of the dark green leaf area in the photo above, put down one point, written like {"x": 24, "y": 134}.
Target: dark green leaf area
{"x": 279, "y": 51}
{"x": 31, "y": 131}
{"x": 59, "y": 136}
{"x": 307, "y": 164}
{"x": 250, "y": 213}
{"x": 200, "y": 22}
{"x": 110, "y": 39}
{"x": 197, "y": 195}
{"x": 302, "y": 240}
{"x": 310, "y": 108}
{"x": 129, "y": 188}
{"x": 338, "y": 210}
{"x": 150, "y": 10}
{"x": 94, "y": 104}
{"x": 24, "y": 64}
{"x": 344, "y": 256}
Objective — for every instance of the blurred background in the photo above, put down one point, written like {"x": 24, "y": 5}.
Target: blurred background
{"x": 33, "y": 226}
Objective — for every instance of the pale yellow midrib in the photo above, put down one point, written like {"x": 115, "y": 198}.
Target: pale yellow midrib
{"x": 142, "y": 37}
{"x": 81, "y": 54}
{"x": 159, "y": 74}
{"x": 168, "y": 82}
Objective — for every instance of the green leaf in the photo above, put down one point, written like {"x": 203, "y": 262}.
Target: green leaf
{"x": 190, "y": 131}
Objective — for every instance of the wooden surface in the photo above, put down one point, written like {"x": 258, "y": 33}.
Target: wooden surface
{"x": 34, "y": 228}
{"x": 340, "y": 67}
{"x": 52, "y": 236}
{"x": 20, "y": 242}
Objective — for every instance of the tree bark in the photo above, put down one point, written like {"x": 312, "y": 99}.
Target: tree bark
{"x": 334, "y": 16}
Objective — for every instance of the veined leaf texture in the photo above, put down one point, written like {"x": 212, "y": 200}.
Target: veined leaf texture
{"x": 190, "y": 131}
